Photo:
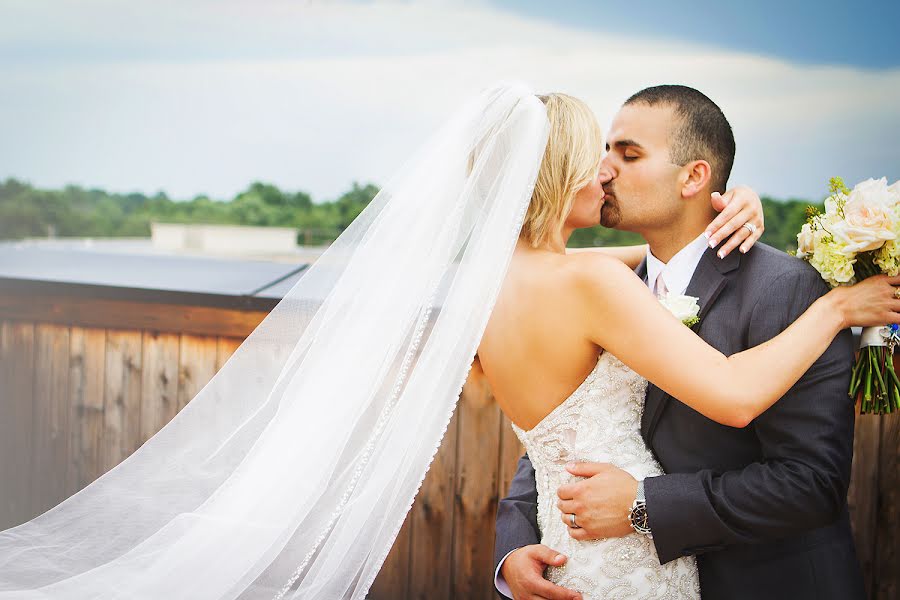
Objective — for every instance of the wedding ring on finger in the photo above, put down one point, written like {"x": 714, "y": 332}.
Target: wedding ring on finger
{"x": 897, "y": 293}
{"x": 750, "y": 227}
{"x": 574, "y": 524}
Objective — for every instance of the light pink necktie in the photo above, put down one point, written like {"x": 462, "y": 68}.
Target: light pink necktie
{"x": 661, "y": 289}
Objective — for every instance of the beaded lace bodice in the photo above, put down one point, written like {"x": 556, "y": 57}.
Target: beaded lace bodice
{"x": 600, "y": 422}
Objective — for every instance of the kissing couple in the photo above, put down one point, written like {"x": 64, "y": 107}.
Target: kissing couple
{"x": 670, "y": 452}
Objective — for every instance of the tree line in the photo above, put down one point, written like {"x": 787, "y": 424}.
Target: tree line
{"x": 27, "y": 211}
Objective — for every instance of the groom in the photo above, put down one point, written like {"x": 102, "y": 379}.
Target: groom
{"x": 763, "y": 507}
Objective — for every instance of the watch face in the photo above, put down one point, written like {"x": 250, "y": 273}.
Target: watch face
{"x": 639, "y": 518}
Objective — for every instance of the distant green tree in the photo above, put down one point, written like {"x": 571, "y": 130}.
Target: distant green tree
{"x": 26, "y": 211}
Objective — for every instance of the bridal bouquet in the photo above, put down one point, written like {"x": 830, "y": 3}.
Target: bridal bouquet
{"x": 856, "y": 237}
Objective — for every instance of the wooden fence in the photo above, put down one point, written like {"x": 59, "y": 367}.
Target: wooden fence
{"x": 87, "y": 381}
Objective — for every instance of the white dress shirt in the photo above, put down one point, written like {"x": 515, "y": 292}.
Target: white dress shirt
{"x": 676, "y": 274}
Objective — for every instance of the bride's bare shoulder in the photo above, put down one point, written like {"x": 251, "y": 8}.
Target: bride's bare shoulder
{"x": 597, "y": 273}
{"x": 594, "y": 276}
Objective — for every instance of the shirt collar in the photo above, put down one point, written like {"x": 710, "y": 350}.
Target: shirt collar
{"x": 680, "y": 269}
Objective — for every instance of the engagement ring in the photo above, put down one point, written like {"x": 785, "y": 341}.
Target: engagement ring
{"x": 750, "y": 227}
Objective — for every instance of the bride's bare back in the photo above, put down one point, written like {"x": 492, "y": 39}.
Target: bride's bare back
{"x": 535, "y": 350}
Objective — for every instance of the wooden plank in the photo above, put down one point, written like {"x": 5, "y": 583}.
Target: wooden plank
{"x": 861, "y": 497}
{"x": 96, "y": 312}
{"x": 198, "y": 356}
{"x": 51, "y": 416}
{"x": 122, "y": 396}
{"x": 511, "y": 450}
{"x": 87, "y": 367}
{"x": 16, "y": 421}
{"x": 887, "y": 542}
{"x": 159, "y": 382}
{"x": 431, "y": 549}
{"x": 392, "y": 582}
{"x": 476, "y": 490}
{"x": 225, "y": 347}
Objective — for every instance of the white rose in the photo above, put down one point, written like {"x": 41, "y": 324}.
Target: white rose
{"x": 685, "y": 308}
{"x": 894, "y": 191}
{"x": 873, "y": 191}
{"x": 806, "y": 241}
{"x": 868, "y": 223}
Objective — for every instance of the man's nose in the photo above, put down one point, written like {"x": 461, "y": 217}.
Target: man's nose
{"x": 605, "y": 175}
{"x": 607, "y": 170}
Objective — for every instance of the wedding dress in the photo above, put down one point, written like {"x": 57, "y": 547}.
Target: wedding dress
{"x": 601, "y": 422}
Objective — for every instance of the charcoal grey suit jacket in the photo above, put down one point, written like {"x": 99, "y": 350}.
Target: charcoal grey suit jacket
{"x": 764, "y": 508}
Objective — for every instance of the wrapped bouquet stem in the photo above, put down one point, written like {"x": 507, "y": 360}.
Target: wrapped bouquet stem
{"x": 874, "y": 380}
{"x": 858, "y": 236}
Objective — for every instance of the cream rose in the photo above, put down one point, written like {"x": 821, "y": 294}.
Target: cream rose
{"x": 868, "y": 223}
{"x": 873, "y": 191}
{"x": 894, "y": 191}
{"x": 806, "y": 241}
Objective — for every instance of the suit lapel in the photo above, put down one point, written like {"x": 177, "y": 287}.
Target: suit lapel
{"x": 641, "y": 270}
{"x": 707, "y": 283}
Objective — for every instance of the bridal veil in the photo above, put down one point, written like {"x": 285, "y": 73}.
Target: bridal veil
{"x": 290, "y": 473}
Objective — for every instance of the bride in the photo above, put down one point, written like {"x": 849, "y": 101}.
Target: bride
{"x": 290, "y": 473}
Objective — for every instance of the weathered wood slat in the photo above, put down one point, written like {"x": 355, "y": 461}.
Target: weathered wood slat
{"x": 511, "y": 450}
{"x": 16, "y": 421}
{"x": 887, "y": 541}
{"x": 122, "y": 396}
{"x": 431, "y": 549}
{"x": 197, "y": 365}
{"x": 476, "y": 490}
{"x": 863, "y": 508}
{"x": 392, "y": 582}
{"x": 159, "y": 382}
{"x": 51, "y": 416}
{"x": 87, "y": 367}
{"x": 225, "y": 347}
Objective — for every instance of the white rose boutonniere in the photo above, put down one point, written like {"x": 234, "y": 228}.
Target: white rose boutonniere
{"x": 685, "y": 308}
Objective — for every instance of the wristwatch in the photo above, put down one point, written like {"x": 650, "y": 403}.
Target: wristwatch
{"x": 638, "y": 514}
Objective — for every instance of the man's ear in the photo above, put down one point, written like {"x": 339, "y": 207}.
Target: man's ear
{"x": 695, "y": 177}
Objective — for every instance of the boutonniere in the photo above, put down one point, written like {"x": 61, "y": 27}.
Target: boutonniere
{"x": 685, "y": 308}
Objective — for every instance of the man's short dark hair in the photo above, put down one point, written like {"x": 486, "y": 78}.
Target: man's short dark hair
{"x": 702, "y": 134}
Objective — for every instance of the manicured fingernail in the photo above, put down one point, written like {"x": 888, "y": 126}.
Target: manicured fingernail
{"x": 706, "y": 234}
{"x": 721, "y": 254}
{"x": 713, "y": 242}
{"x": 559, "y": 557}
{"x": 743, "y": 250}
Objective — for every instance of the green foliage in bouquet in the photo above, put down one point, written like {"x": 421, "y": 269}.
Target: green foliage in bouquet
{"x": 858, "y": 236}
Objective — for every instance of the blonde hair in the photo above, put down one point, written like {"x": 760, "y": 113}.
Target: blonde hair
{"x": 570, "y": 162}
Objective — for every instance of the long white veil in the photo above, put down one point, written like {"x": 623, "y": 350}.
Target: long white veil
{"x": 290, "y": 473}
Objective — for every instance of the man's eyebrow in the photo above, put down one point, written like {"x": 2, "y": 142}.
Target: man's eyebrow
{"x": 627, "y": 144}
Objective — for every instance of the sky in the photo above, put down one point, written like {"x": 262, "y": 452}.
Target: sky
{"x": 203, "y": 97}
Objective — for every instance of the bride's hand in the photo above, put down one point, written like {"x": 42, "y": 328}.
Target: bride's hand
{"x": 871, "y": 303}
{"x": 737, "y": 206}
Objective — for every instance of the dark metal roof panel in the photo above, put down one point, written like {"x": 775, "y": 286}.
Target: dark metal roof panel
{"x": 146, "y": 276}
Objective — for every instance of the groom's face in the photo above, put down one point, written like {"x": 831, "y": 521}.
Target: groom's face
{"x": 644, "y": 190}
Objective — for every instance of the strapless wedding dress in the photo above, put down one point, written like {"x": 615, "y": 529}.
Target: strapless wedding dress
{"x": 601, "y": 422}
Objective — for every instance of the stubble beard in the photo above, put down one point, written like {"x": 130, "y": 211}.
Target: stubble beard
{"x": 610, "y": 216}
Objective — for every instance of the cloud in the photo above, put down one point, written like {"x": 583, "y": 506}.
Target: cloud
{"x": 208, "y": 96}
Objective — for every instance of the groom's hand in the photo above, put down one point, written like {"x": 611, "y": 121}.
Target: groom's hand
{"x": 523, "y": 571}
{"x": 601, "y": 503}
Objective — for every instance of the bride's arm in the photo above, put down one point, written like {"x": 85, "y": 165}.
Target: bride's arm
{"x": 623, "y": 317}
